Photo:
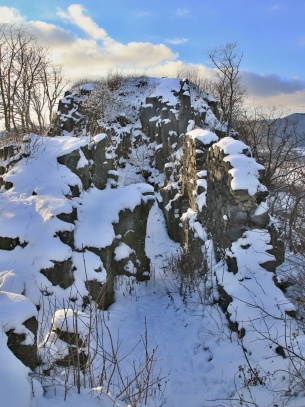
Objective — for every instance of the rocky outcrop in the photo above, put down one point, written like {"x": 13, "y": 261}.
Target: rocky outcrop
{"x": 129, "y": 254}
{"x": 9, "y": 155}
{"x": 78, "y": 164}
{"x": 60, "y": 274}
{"x": 22, "y": 331}
{"x": 201, "y": 174}
{"x": 207, "y": 185}
{"x": 16, "y": 342}
{"x": 72, "y": 117}
{"x": 65, "y": 345}
{"x": 221, "y": 185}
{"x": 235, "y": 197}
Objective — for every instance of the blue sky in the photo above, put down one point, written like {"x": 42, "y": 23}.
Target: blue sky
{"x": 156, "y": 37}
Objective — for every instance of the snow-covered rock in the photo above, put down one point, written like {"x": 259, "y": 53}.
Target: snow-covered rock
{"x": 77, "y": 220}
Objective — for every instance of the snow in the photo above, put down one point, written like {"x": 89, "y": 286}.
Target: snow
{"x": 14, "y": 310}
{"x": 99, "y": 137}
{"x": 66, "y": 320}
{"x": 32, "y": 217}
{"x": 65, "y": 144}
{"x": 87, "y": 266}
{"x": 245, "y": 170}
{"x": 255, "y": 304}
{"x": 197, "y": 352}
{"x": 205, "y": 136}
{"x": 245, "y": 173}
{"x": 82, "y": 161}
{"x": 196, "y": 226}
{"x": 87, "y": 87}
{"x": 164, "y": 88}
{"x": 101, "y": 209}
{"x": 190, "y": 126}
{"x": 201, "y": 183}
{"x": 88, "y": 397}
{"x": 122, "y": 252}
{"x": 15, "y": 386}
{"x": 202, "y": 174}
{"x": 201, "y": 200}
{"x": 261, "y": 209}
{"x": 231, "y": 146}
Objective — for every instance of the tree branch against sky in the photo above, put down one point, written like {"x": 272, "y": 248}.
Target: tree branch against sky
{"x": 30, "y": 83}
{"x": 227, "y": 88}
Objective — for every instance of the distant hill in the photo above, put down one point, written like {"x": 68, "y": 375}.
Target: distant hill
{"x": 298, "y": 119}
{"x": 296, "y": 124}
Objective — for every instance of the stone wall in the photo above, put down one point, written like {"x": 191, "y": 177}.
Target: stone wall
{"x": 230, "y": 211}
{"x": 221, "y": 189}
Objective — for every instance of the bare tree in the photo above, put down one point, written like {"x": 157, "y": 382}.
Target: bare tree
{"x": 276, "y": 143}
{"x": 29, "y": 82}
{"x": 227, "y": 88}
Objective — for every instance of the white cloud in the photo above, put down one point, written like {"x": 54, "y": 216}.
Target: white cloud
{"x": 103, "y": 50}
{"x": 181, "y": 12}
{"x": 177, "y": 41}
{"x": 50, "y": 34}
{"x": 10, "y": 15}
{"x": 93, "y": 56}
{"x": 76, "y": 16}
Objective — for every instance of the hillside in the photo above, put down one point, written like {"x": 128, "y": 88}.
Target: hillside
{"x": 138, "y": 259}
{"x": 298, "y": 119}
{"x": 293, "y": 124}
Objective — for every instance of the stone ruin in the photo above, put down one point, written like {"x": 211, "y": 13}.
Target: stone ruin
{"x": 198, "y": 185}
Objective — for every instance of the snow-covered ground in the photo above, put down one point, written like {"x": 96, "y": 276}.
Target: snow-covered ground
{"x": 197, "y": 354}
{"x": 199, "y": 357}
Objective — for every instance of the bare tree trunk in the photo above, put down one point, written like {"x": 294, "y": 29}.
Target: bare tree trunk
{"x": 226, "y": 60}
{"x": 29, "y": 83}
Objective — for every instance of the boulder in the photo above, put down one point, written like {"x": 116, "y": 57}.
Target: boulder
{"x": 60, "y": 274}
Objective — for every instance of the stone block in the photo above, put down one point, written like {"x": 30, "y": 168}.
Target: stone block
{"x": 60, "y": 274}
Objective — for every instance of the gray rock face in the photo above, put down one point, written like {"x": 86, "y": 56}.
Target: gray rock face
{"x": 70, "y": 109}
{"x": 60, "y": 274}
{"x": 8, "y": 243}
{"x": 102, "y": 294}
{"x": 101, "y": 162}
{"x": 132, "y": 229}
{"x": 72, "y": 160}
{"x": 228, "y": 213}
{"x": 172, "y": 210}
{"x": 68, "y": 217}
{"x": 26, "y": 353}
{"x": 67, "y": 237}
{"x": 199, "y": 180}
{"x": 9, "y": 155}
